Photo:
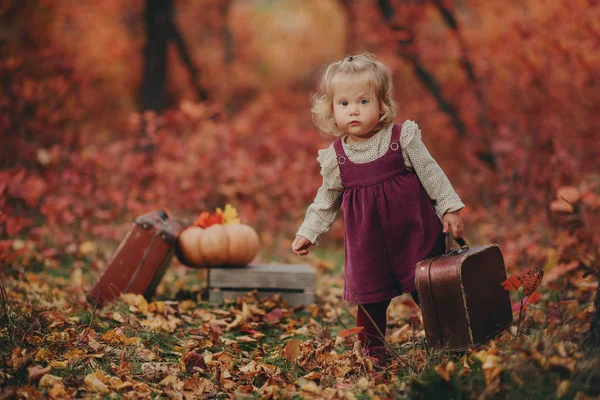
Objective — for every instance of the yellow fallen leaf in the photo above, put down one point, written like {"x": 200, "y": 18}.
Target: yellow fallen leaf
{"x": 58, "y": 391}
{"x": 137, "y": 302}
{"x": 42, "y": 355}
{"x": 117, "y": 337}
{"x": 159, "y": 322}
{"x": 117, "y": 316}
{"x": 169, "y": 380}
{"x": 59, "y": 364}
{"x": 74, "y": 354}
{"x": 268, "y": 367}
{"x": 442, "y": 372}
{"x": 228, "y": 342}
{"x": 563, "y": 389}
{"x": 310, "y": 387}
{"x": 49, "y": 380}
{"x": 363, "y": 383}
{"x": 313, "y": 376}
{"x": 88, "y": 248}
{"x": 94, "y": 384}
{"x": 245, "y": 339}
{"x": 186, "y": 305}
{"x": 557, "y": 362}
{"x": 145, "y": 354}
{"x": 237, "y": 321}
{"x": 157, "y": 307}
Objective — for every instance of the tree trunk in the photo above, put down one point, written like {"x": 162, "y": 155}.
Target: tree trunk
{"x": 159, "y": 13}
{"x": 428, "y": 79}
{"x": 227, "y": 35}
{"x": 351, "y": 21}
{"x": 185, "y": 56}
{"x": 430, "y": 82}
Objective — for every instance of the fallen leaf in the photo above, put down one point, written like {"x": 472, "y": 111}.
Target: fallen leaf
{"x": 291, "y": 350}
{"x": 88, "y": 248}
{"x": 49, "y": 380}
{"x": 313, "y": 376}
{"x": 350, "y": 331}
{"x": 145, "y": 354}
{"x": 94, "y": 384}
{"x": 37, "y": 372}
{"x": 561, "y": 206}
{"x": 563, "y": 389}
{"x": 137, "y": 302}
{"x": 192, "y": 360}
{"x": 570, "y": 194}
{"x": 186, "y": 306}
{"x": 274, "y": 316}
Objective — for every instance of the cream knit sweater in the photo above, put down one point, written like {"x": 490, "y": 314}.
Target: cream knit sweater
{"x": 326, "y": 205}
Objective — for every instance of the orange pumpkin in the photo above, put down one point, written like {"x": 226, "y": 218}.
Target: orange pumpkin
{"x": 242, "y": 244}
{"x": 218, "y": 245}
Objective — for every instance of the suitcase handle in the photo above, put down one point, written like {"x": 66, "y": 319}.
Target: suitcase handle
{"x": 464, "y": 246}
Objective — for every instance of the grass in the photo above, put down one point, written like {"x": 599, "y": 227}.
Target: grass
{"x": 42, "y": 310}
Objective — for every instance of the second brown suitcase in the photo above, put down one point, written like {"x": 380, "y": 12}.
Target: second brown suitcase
{"x": 140, "y": 260}
{"x": 462, "y": 300}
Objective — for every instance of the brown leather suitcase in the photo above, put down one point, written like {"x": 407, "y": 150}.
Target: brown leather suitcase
{"x": 462, "y": 300}
{"x": 140, "y": 260}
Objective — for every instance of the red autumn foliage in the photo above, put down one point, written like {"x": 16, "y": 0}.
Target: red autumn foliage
{"x": 206, "y": 219}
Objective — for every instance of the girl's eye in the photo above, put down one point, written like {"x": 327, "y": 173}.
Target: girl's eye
{"x": 344, "y": 103}
{"x": 364, "y": 101}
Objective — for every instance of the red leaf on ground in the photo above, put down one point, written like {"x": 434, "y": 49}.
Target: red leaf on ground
{"x": 273, "y": 316}
{"x": 192, "y": 360}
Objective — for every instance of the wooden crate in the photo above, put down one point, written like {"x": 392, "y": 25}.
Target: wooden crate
{"x": 295, "y": 282}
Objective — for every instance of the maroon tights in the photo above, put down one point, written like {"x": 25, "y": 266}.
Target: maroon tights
{"x": 369, "y": 337}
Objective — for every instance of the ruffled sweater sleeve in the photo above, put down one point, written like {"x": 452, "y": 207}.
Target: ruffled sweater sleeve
{"x": 321, "y": 214}
{"x": 434, "y": 180}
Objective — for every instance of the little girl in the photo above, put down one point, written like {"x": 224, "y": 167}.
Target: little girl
{"x": 394, "y": 193}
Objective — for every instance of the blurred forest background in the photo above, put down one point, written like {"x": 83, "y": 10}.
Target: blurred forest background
{"x": 111, "y": 109}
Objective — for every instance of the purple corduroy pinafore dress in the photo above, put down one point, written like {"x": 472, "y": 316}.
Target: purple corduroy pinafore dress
{"x": 389, "y": 225}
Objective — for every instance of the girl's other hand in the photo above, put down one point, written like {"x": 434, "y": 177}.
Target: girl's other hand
{"x": 453, "y": 222}
{"x": 300, "y": 245}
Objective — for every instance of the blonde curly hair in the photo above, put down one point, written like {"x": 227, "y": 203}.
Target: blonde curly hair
{"x": 380, "y": 80}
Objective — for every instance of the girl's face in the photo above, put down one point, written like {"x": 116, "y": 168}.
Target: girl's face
{"x": 355, "y": 108}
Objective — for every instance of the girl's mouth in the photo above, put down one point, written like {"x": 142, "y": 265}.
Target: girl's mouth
{"x": 354, "y": 122}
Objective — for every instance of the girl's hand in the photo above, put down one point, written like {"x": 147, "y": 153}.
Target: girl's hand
{"x": 453, "y": 222}
{"x": 300, "y": 245}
